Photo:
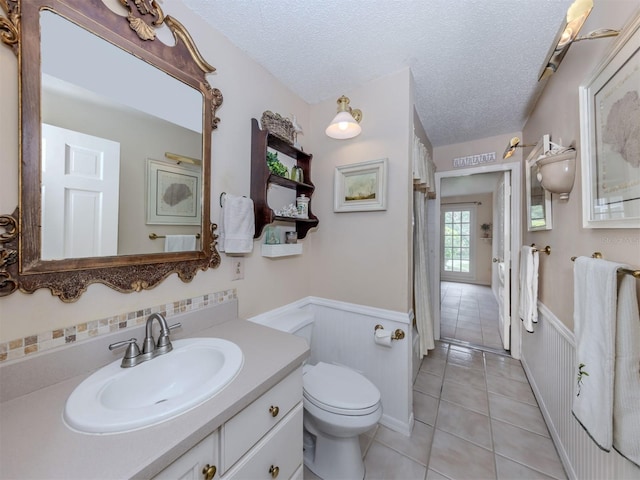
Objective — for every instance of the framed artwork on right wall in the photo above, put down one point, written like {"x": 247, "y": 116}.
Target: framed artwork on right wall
{"x": 610, "y": 137}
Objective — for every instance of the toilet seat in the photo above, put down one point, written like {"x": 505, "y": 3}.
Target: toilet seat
{"x": 340, "y": 390}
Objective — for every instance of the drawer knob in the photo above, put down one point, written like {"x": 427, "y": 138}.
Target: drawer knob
{"x": 274, "y": 411}
{"x": 209, "y": 471}
{"x": 274, "y": 471}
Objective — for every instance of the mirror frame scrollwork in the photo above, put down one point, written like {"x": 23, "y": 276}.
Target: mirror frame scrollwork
{"x": 21, "y": 266}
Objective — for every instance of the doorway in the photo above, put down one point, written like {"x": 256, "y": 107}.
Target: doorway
{"x": 480, "y": 284}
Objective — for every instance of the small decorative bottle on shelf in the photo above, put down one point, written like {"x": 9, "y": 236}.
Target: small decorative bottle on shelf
{"x": 302, "y": 202}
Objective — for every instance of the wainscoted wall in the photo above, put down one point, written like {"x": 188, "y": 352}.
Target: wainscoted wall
{"x": 548, "y": 357}
{"x": 343, "y": 334}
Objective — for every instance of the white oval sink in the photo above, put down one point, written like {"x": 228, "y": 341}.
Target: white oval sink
{"x": 116, "y": 399}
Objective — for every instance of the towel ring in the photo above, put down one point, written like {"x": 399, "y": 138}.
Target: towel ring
{"x": 224, "y": 194}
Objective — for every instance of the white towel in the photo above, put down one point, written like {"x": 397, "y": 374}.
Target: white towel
{"x": 179, "y": 243}
{"x": 595, "y": 312}
{"x": 626, "y": 387}
{"x": 528, "y": 309}
{"x": 237, "y": 225}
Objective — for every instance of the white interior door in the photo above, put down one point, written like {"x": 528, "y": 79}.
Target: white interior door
{"x": 502, "y": 260}
{"x": 80, "y": 194}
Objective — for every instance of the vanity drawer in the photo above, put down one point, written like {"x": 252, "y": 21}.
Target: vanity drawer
{"x": 245, "y": 429}
{"x": 277, "y": 455}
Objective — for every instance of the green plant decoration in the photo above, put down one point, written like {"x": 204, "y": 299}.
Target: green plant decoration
{"x": 275, "y": 166}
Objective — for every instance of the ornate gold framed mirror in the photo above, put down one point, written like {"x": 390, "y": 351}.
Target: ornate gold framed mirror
{"x": 129, "y": 79}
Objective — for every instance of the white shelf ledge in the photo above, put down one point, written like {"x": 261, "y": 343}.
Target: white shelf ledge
{"x": 281, "y": 250}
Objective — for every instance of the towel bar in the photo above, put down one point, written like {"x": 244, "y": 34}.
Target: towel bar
{"x": 153, "y": 236}
{"x": 546, "y": 249}
{"x": 627, "y": 271}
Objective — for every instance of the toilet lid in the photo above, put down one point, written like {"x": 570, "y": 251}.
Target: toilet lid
{"x": 340, "y": 390}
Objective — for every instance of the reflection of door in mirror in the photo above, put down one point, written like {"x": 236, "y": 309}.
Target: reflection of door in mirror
{"x": 80, "y": 186}
{"x": 85, "y": 90}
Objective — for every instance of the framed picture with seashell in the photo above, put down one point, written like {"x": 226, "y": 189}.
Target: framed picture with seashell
{"x": 173, "y": 194}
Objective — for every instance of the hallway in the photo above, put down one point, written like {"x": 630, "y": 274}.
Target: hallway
{"x": 475, "y": 418}
{"x": 469, "y": 313}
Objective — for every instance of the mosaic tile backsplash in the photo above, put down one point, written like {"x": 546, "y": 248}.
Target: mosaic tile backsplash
{"x": 44, "y": 341}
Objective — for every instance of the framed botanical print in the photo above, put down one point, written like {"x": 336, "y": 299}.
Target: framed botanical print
{"x": 610, "y": 137}
{"x": 173, "y": 194}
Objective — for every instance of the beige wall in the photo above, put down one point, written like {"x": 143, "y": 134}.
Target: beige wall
{"x": 363, "y": 257}
{"x": 357, "y": 257}
{"x": 443, "y": 156}
{"x": 558, "y": 114}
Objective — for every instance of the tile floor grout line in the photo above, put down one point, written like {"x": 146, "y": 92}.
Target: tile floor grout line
{"x": 493, "y": 443}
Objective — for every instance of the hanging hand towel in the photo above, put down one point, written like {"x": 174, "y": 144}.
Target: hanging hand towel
{"x": 179, "y": 243}
{"x": 626, "y": 386}
{"x": 237, "y": 225}
{"x": 594, "y": 317}
{"x": 528, "y": 309}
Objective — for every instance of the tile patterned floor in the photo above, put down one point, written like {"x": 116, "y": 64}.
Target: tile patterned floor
{"x": 475, "y": 418}
{"x": 475, "y": 414}
{"x": 469, "y": 313}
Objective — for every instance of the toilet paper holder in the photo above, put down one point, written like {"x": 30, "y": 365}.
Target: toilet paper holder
{"x": 397, "y": 335}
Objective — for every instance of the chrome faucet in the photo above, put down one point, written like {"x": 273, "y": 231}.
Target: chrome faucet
{"x": 133, "y": 356}
{"x": 164, "y": 344}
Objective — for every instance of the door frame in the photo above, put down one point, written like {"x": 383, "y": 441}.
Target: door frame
{"x": 516, "y": 239}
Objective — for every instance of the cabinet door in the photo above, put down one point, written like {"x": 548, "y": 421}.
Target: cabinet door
{"x": 190, "y": 466}
{"x": 277, "y": 455}
{"x": 245, "y": 429}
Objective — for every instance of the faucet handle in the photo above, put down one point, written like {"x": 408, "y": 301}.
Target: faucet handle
{"x": 131, "y": 342}
{"x": 164, "y": 343}
{"x": 175, "y": 325}
{"x": 133, "y": 351}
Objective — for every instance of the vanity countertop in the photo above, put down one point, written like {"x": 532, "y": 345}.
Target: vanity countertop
{"x": 35, "y": 443}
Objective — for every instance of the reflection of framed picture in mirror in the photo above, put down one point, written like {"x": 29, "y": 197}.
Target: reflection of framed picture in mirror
{"x": 173, "y": 194}
{"x": 538, "y": 199}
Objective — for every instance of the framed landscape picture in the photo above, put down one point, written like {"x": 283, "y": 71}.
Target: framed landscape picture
{"x": 361, "y": 187}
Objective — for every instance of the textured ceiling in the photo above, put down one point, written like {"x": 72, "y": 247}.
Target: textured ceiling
{"x": 475, "y": 62}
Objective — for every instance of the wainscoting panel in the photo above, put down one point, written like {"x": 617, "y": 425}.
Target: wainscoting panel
{"x": 344, "y": 335}
{"x": 548, "y": 357}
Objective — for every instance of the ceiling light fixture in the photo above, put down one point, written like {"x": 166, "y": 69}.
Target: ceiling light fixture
{"x": 576, "y": 16}
{"x": 511, "y": 147}
{"x": 346, "y": 123}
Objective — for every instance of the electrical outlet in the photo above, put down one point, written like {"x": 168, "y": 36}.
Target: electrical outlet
{"x": 237, "y": 268}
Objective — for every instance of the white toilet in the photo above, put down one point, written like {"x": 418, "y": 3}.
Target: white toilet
{"x": 339, "y": 404}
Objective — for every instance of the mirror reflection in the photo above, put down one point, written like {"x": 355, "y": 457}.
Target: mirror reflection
{"x": 536, "y": 209}
{"x": 107, "y": 184}
{"x": 538, "y": 199}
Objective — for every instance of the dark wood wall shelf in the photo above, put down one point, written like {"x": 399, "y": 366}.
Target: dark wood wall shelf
{"x": 261, "y": 178}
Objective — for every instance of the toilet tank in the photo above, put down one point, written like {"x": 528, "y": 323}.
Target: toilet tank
{"x": 298, "y": 322}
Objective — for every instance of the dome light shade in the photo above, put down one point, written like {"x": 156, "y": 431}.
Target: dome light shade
{"x": 343, "y": 126}
{"x": 346, "y": 123}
